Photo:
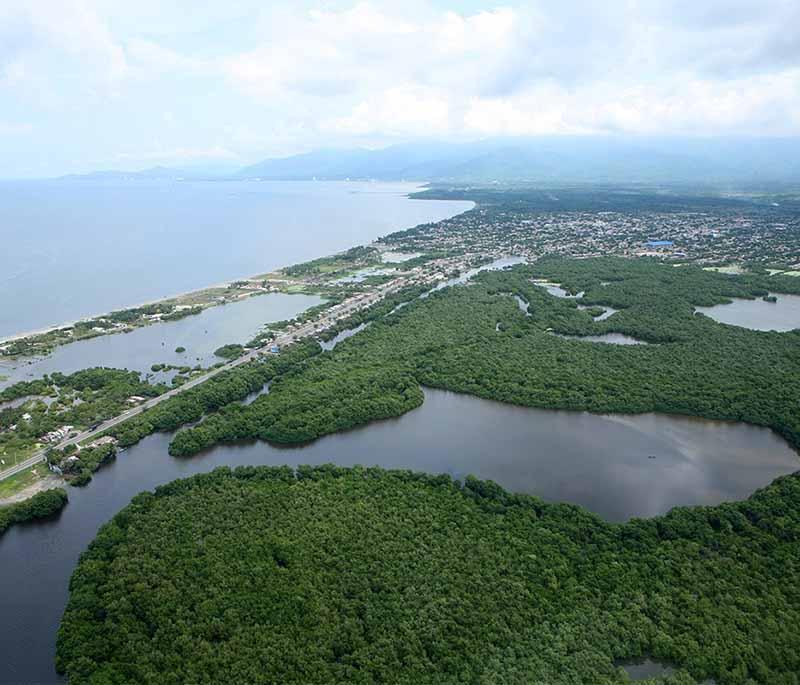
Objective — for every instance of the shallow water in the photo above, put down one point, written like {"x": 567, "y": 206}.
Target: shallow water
{"x": 783, "y": 315}
{"x": 156, "y": 344}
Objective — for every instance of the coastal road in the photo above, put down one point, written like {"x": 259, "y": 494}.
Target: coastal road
{"x": 327, "y": 319}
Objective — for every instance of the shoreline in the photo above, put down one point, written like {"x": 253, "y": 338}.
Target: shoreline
{"x": 70, "y": 324}
{"x": 197, "y": 291}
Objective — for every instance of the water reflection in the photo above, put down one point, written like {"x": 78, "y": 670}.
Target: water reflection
{"x": 343, "y": 335}
{"x": 610, "y": 338}
{"x": 143, "y": 347}
{"x": 617, "y": 466}
{"x": 782, "y": 315}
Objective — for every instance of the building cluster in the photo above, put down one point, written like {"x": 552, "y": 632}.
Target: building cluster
{"x": 705, "y": 237}
{"x": 56, "y": 436}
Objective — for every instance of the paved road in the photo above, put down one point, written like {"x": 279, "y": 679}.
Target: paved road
{"x": 327, "y": 319}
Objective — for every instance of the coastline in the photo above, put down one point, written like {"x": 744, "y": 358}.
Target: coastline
{"x": 198, "y": 292}
{"x": 70, "y": 324}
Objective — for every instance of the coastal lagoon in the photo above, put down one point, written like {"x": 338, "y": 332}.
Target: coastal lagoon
{"x": 616, "y": 466}
{"x": 783, "y": 315}
{"x": 75, "y": 249}
{"x": 138, "y": 350}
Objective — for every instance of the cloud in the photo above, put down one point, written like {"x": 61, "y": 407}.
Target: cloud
{"x": 401, "y": 111}
{"x": 540, "y": 68}
{"x": 258, "y": 78}
{"x": 181, "y": 154}
{"x": 69, "y": 29}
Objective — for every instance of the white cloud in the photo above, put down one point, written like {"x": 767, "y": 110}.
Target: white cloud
{"x": 544, "y": 68}
{"x": 402, "y": 111}
{"x": 183, "y": 154}
{"x": 69, "y": 28}
{"x": 259, "y": 78}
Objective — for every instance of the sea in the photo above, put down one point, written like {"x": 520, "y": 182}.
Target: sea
{"x": 77, "y": 248}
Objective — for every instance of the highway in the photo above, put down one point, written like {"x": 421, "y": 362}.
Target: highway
{"x": 328, "y": 318}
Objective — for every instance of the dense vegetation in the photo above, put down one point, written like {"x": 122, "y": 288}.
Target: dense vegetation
{"x": 229, "y": 351}
{"x": 227, "y": 387}
{"x": 40, "y": 506}
{"x": 476, "y": 340}
{"x": 354, "y": 257}
{"x": 335, "y": 575}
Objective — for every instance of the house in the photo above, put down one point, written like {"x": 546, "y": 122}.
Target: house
{"x": 57, "y": 435}
{"x": 105, "y": 440}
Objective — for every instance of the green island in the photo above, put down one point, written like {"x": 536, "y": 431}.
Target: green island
{"x": 335, "y": 575}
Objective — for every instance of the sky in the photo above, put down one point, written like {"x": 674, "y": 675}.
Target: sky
{"x": 121, "y": 84}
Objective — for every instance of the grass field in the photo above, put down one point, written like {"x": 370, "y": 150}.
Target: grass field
{"x": 730, "y": 269}
{"x": 22, "y": 480}
{"x": 11, "y": 454}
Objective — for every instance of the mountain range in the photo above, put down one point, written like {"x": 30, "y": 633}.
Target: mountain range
{"x": 560, "y": 159}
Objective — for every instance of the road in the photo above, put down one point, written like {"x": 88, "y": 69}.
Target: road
{"x": 325, "y": 320}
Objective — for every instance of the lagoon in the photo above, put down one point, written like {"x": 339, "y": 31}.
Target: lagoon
{"x": 616, "y": 466}
{"x": 138, "y": 350}
{"x": 783, "y": 315}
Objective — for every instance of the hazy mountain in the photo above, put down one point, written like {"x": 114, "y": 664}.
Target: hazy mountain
{"x": 212, "y": 170}
{"x": 564, "y": 158}
{"x": 556, "y": 159}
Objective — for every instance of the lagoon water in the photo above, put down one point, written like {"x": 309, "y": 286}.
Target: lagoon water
{"x": 73, "y": 249}
{"x": 783, "y": 315}
{"x": 156, "y": 344}
{"x": 616, "y": 466}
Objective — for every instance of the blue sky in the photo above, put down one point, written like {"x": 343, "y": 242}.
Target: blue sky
{"x": 96, "y": 84}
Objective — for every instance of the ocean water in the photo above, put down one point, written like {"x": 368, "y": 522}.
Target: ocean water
{"x": 71, "y": 249}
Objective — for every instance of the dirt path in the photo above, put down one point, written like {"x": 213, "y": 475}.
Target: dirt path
{"x": 46, "y": 483}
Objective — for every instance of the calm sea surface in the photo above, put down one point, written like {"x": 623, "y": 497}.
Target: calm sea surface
{"x": 72, "y": 249}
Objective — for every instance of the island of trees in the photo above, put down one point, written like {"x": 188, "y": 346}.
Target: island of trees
{"x": 333, "y": 575}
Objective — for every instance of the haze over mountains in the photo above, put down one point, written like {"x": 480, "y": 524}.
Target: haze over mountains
{"x": 542, "y": 159}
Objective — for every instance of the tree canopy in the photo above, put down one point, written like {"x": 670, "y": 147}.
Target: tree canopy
{"x": 475, "y": 339}
{"x": 333, "y": 575}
